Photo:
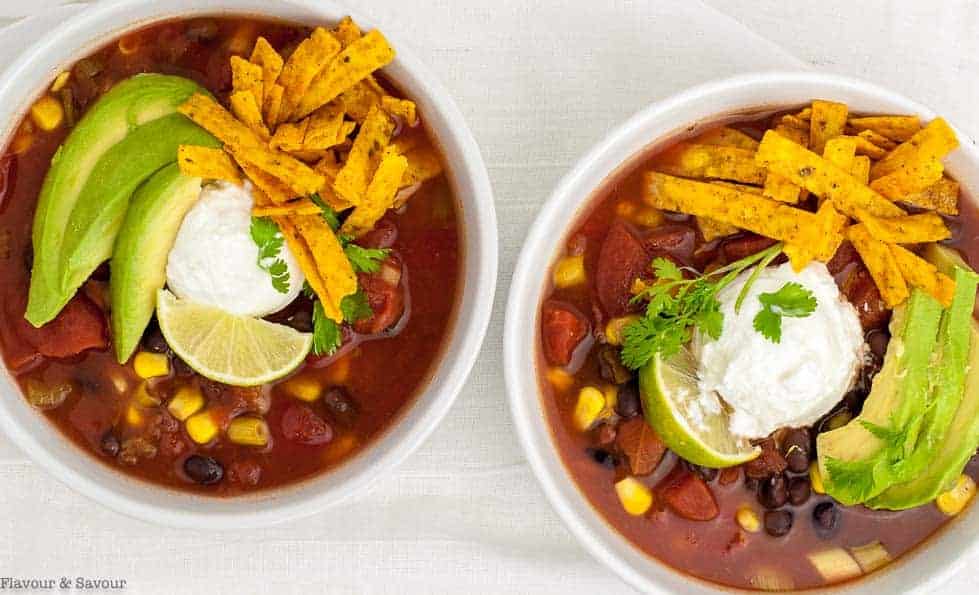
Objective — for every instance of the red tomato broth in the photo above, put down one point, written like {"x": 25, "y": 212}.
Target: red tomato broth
{"x": 386, "y": 371}
{"x": 718, "y": 550}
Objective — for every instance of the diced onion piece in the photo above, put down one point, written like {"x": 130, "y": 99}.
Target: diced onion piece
{"x": 955, "y": 500}
{"x": 303, "y": 388}
{"x": 151, "y": 365}
{"x": 186, "y": 402}
{"x": 249, "y": 431}
{"x": 591, "y": 403}
{"x": 748, "y": 519}
{"x": 635, "y": 496}
{"x": 835, "y": 565}
{"x": 570, "y": 271}
{"x": 870, "y": 557}
{"x": 201, "y": 427}
{"x": 614, "y": 328}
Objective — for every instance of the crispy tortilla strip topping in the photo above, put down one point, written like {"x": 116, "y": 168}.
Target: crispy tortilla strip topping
{"x": 375, "y": 134}
{"x": 331, "y": 262}
{"x": 726, "y": 137}
{"x": 823, "y": 239}
{"x": 359, "y": 99}
{"x": 861, "y": 169}
{"x": 748, "y": 211}
{"x": 711, "y": 162}
{"x": 326, "y": 129}
{"x": 878, "y": 140}
{"x": 271, "y": 188}
{"x": 273, "y": 105}
{"x": 799, "y": 136}
{"x": 865, "y": 147}
{"x": 922, "y": 274}
{"x": 713, "y": 229}
{"x": 828, "y": 121}
{"x": 910, "y": 229}
{"x": 303, "y": 206}
{"x": 207, "y": 163}
{"x": 792, "y": 121}
{"x": 247, "y": 77}
{"x": 781, "y": 189}
{"x": 303, "y": 66}
{"x": 896, "y": 128}
{"x": 265, "y": 57}
{"x": 304, "y": 256}
{"x": 840, "y": 151}
{"x": 210, "y": 116}
{"x": 931, "y": 143}
{"x": 347, "y": 31}
{"x": 423, "y": 165}
{"x": 403, "y": 109}
{"x": 880, "y": 261}
{"x": 805, "y": 114}
{"x": 379, "y": 197}
{"x": 351, "y": 65}
{"x": 291, "y": 172}
{"x": 917, "y": 176}
{"x": 246, "y": 107}
{"x": 289, "y": 136}
{"x": 822, "y": 178}
{"x": 942, "y": 196}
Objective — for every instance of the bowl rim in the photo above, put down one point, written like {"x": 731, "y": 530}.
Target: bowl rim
{"x": 81, "y": 472}
{"x": 573, "y": 194}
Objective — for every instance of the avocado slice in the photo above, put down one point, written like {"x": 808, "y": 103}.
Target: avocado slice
{"x": 101, "y": 206}
{"x": 857, "y": 460}
{"x": 135, "y": 101}
{"x": 951, "y": 432}
{"x": 140, "y": 260}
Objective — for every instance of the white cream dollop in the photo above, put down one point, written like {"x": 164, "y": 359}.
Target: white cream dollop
{"x": 215, "y": 261}
{"x": 793, "y": 383}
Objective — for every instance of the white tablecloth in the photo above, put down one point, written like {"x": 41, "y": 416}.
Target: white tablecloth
{"x": 540, "y": 81}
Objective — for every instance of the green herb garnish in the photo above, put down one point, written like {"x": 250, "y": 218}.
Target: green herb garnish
{"x": 327, "y": 337}
{"x": 676, "y": 306}
{"x": 364, "y": 260}
{"x": 791, "y": 300}
{"x": 355, "y": 307}
{"x": 266, "y": 235}
{"x": 329, "y": 215}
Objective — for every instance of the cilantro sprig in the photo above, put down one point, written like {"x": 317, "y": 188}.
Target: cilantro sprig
{"x": 676, "y": 306}
{"x": 791, "y": 300}
{"x": 266, "y": 235}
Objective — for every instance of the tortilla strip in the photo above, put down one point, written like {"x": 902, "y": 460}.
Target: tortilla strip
{"x": 821, "y": 177}
{"x": 333, "y": 265}
{"x": 270, "y": 61}
{"x": 896, "y": 128}
{"x": 795, "y": 122}
{"x": 289, "y": 136}
{"x": 823, "y": 241}
{"x": 325, "y": 129}
{"x": 379, "y": 197}
{"x": 246, "y": 107}
{"x": 942, "y": 196}
{"x": 878, "y": 140}
{"x": 910, "y": 229}
{"x": 273, "y": 105}
{"x": 828, "y": 121}
{"x": 880, "y": 261}
{"x": 209, "y": 115}
{"x": 742, "y": 209}
{"x": 713, "y": 229}
{"x": 305, "y": 63}
{"x": 247, "y": 77}
{"x": 840, "y": 151}
{"x": 359, "y": 99}
{"x": 861, "y": 169}
{"x": 299, "y": 248}
{"x": 922, "y": 274}
{"x": 303, "y": 206}
{"x": 351, "y": 65}
{"x": 931, "y": 143}
{"x": 710, "y": 162}
{"x": 375, "y": 134}
{"x": 424, "y": 164}
{"x": 799, "y": 136}
{"x": 725, "y": 136}
{"x": 917, "y": 176}
{"x": 288, "y": 170}
{"x": 347, "y": 31}
{"x": 403, "y": 109}
{"x": 207, "y": 163}
{"x": 274, "y": 191}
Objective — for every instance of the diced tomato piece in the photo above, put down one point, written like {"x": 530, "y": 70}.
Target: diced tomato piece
{"x": 770, "y": 462}
{"x": 386, "y": 296}
{"x": 384, "y": 235}
{"x": 687, "y": 495}
{"x": 744, "y": 245}
{"x": 861, "y": 291}
{"x": 79, "y": 327}
{"x": 845, "y": 256}
{"x": 562, "y": 329}
{"x": 301, "y": 424}
{"x": 622, "y": 259}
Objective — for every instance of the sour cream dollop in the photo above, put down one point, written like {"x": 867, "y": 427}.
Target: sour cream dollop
{"x": 792, "y": 383}
{"x": 215, "y": 261}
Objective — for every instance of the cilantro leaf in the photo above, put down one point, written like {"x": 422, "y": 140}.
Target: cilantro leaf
{"x": 792, "y": 300}
{"x": 327, "y": 337}
{"x": 327, "y": 212}
{"x": 365, "y": 260}
{"x": 266, "y": 235}
{"x": 666, "y": 269}
{"x": 356, "y": 307}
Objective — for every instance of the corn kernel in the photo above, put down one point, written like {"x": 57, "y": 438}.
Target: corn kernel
{"x": 816, "y": 479}
{"x": 339, "y": 371}
{"x": 47, "y": 113}
{"x": 614, "y": 328}
{"x": 304, "y": 388}
{"x": 560, "y": 379}
{"x": 748, "y": 519}
{"x": 60, "y": 81}
{"x": 151, "y": 365}
{"x": 648, "y": 217}
{"x": 590, "y": 404}
{"x": 955, "y": 500}
{"x": 570, "y": 271}
{"x": 636, "y": 498}
{"x": 134, "y": 415}
{"x": 611, "y": 394}
{"x": 186, "y": 402}
{"x": 201, "y": 427}
{"x": 143, "y": 398}
{"x": 250, "y": 431}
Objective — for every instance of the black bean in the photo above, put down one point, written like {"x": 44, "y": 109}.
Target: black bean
{"x": 341, "y": 407}
{"x": 751, "y": 484}
{"x": 877, "y": 340}
{"x": 109, "y": 445}
{"x": 826, "y": 519}
{"x": 796, "y": 446}
{"x": 778, "y": 522}
{"x": 153, "y": 340}
{"x": 602, "y": 457}
{"x": 301, "y": 320}
{"x": 203, "y": 470}
{"x": 799, "y": 490}
{"x": 708, "y": 474}
{"x": 610, "y": 366}
{"x": 773, "y": 492}
{"x": 627, "y": 403}
{"x": 202, "y": 30}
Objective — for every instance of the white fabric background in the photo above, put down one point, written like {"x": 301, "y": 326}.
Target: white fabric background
{"x": 540, "y": 81}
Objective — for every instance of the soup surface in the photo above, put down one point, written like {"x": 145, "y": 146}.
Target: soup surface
{"x": 324, "y": 412}
{"x": 755, "y": 525}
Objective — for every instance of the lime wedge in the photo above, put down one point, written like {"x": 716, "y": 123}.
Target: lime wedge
{"x": 236, "y": 350}
{"x": 695, "y": 428}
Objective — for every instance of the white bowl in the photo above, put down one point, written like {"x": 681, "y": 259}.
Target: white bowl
{"x": 26, "y": 78}
{"x": 926, "y": 567}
